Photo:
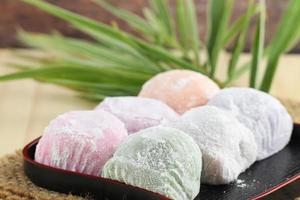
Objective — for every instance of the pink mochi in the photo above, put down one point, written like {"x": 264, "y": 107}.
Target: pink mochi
{"x": 80, "y": 141}
{"x": 137, "y": 113}
{"x": 180, "y": 89}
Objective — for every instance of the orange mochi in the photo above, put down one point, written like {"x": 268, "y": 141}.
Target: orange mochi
{"x": 180, "y": 89}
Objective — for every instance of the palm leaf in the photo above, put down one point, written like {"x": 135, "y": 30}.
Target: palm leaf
{"x": 157, "y": 26}
{"x": 241, "y": 40}
{"x": 188, "y": 28}
{"x": 112, "y": 37}
{"x": 130, "y": 18}
{"x": 286, "y": 36}
{"x": 258, "y": 45}
{"x": 74, "y": 48}
{"x": 118, "y": 63}
{"x": 182, "y": 26}
{"x": 77, "y": 73}
{"x": 218, "y": 17}
{"x": 161, "y": 9}
{"x": 238, "y": 73}
{"x": 235, "y": 28}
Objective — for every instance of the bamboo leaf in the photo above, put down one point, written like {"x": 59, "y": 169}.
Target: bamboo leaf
{"x": 157, "y": 51}
{"x": 163, "y": 13}
{"x": 182, "y": 26}
{"x": 91, "y": 96}
{"x": 71, "y": 48}
{"x": 238, "y": 73}
{"x": 155, "y": 23}
{"x": 112, "y": 36}
{"x": 160, "y": 19}
{"x": 79, "y": 73}
{"x": 133, "y": 75}
{"x": 193, "y": 26}
{"x": 258, "y": 45}
{"x": 130, "y": 18}
{"x": 218, "y": 17}
{"x": 241, "y": 40}
{"x": 49, "y": 72}
{"x": 105, "y": 34}
{"x": 87, "y": 86}
{"x": 286, "y": 36}
{"x": 188, "y": 27}
{"x": 235, "y": 28}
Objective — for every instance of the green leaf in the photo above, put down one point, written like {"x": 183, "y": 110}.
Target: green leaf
{"x": 159, "y": 18}
{"x": 79, "y": 72}
{"x": 182, "y": 25}
{"x": 48, "y": 72}
{"x": 219, "y": 12}
{"x": 162, "y": 11}
{"x": 193, "y": 27}
{"x": 91, "y": 96}
{"x": 130, "y": 18}
{"x": 241, "y": 40}
{"x": 238, "y": 73}
{"x": 116, "y": 38}
{"x": 154, "y": 51}
{"x": 71, "y": 48}
{"x": 98, "y": 82}
{"x": 155, "y": 23}
{"x": 258, "y": 44}
{"x": 87, "y": 86}
{"x": 286, "y": 36}
{"x": 105, "y": 34}
{"x": 235, "y": 28}
{"x": 188, "y": 28}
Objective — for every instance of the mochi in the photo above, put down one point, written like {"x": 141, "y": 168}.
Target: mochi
{"x": 159, "y": 159}
{"x": 180, "y": 89}
{"x": 228, "y": 147}
{"x": 260, "y": 112}
{"x": 80, "y": 141}
{"x": 137, "y": 113}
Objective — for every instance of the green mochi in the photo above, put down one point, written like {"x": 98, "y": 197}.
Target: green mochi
{"x": 160, "y": 159}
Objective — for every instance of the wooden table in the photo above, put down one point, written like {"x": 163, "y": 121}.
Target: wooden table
{"x": 26, "y": 107}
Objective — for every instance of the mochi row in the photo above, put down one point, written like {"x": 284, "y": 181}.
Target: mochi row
{"x": 152, "y": 142}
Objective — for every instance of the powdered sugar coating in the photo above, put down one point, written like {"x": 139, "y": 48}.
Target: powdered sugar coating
{"x": 180, "y": 89}
{"x": 159, "y": 159}
{"x": 80, "y": 141}
{"x": 263, "y": 114}
{"x": 137, "y": 113}
{"x": 228, "y": 148}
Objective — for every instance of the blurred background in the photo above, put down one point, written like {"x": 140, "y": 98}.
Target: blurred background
{"x": 15, "y": 14}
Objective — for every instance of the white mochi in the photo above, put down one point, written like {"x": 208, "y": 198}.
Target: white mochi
{"x": 228, "y": 148}
{"x": 137, "y": 113}
{"x": 263, "y": 114}
{"x": 159, "y": 159}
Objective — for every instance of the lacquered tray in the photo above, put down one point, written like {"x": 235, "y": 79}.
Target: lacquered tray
{"x": 261, "y": 179}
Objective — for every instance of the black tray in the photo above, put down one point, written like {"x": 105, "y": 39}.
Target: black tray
{"x": 261, "y": 179}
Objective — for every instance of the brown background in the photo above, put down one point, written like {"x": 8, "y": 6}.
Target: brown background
{"x": 14, "y": 13}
